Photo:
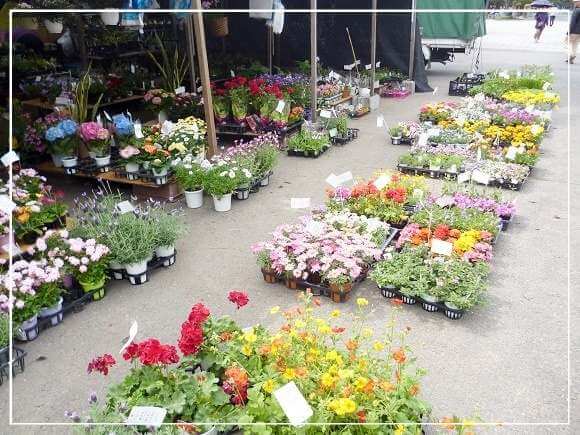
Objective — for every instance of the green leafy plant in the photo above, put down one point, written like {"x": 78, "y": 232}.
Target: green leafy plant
{"x": 79, "y": 109}
{"x": 4, "y": 330}
{"x": 172, "y": 66}
{"x": 308, "y": 141}
{"x": 218, "y": 181}
{"x": 168, "y": 226}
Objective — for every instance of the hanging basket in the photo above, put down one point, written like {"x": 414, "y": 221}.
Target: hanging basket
{"x": 110, "y": 18}
{"x": 218, "y": 26}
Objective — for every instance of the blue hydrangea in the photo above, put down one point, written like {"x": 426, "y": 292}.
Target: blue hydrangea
{"x": 54, "y": 133}
{"x": 123, "y": 125}
{"x": 68, "y": 126}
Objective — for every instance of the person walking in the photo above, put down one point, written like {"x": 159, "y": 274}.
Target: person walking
{"x": 542, "y": 19}
{"x": 553, "y": 11}
{"x": 574, "y": 32}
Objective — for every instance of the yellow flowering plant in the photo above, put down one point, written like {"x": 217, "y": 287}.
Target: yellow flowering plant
{"x": 535, "y": 97}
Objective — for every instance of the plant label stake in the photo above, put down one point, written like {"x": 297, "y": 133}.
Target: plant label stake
{"x": 132, "y": 334}
{"x": 280, "y": 106}
{"x": 146, "y": 416}
{"x": 138, "y": 131}
{"x": 125, "y": 207}
{"x": 180, "y": 90}
{"x": 441, "y": 247}
{"x": 299, "y": 202}
{"x": 435, "y": 90}
{"x": 108, "y": 116}
{"x": 381, "y": 182}
{"x": 378, "y": 64}
{"x": 511, "y": 153}
{"x": 325, "y": 114}
{"x": 37, "y": 79}
{"x": 368, "y": 66}
{"x": 6, "y": 204}
{"x": 9, "y": 158}
{"x": 333, "y": 132}
{"x": 293, "y": 404}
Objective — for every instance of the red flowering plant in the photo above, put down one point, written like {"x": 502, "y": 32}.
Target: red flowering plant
{"x": 239, "y": 94}
{"x": 221, "y": 103}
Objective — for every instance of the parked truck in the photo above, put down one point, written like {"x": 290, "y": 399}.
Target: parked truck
{"x": 446, "y": 33}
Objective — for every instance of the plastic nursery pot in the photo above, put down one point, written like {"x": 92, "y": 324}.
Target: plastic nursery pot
{"x": 132, "y": 170}
{"x": 266, "y": 180}
{"x": 269, "y": 275}
{"x": 136, "y": 268}
{"x": 116, "y": 269}
{"x": 388, "y": 291}
{"x": 27, "y": 239}
{"x": 291, "y": 283}
{"x": 54, "y": 313}
{"x": 97, "y": 287}
{"x": 69, "y": 161}
{"x": 429, "y": 303}
{"x": 409, "y": 300}
{"x": 222, "y": 203}
{"x": 57, "y": 160}
{"x": 164, "y": 251}
{"x": 4, "y": 355}
{"x": 243, "y": 193}
{"x": 103, "y": 161}
{"x": 452, "y": 312}
{"x": 28, "y": 330}
{"x": 340, "y": 292}
{"x": 396, "y": 140}
{"x": 194, "y": 199}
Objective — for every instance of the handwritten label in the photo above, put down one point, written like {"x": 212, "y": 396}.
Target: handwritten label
{"x": 180, "y": 90}
{"x": 125, "y": 207}
{"x": 146, "y": 416}
{"x": 441, "y": 247}
{"x": 381, "y": 182}
{"x": 293, "y": 404}
{"x": 280, "y": 106}
{"x": 9, "y": 158}
{"x": 299, "y": 202}
{"x": 6, "y": 204}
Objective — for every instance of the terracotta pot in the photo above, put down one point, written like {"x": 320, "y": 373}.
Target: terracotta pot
{"x": 345, "y": 92}
{"x": 269, "y": 275}
{"x": 340, "y": 292}
{"x": 218, "y": 26}
{"x": 291, "y": 283}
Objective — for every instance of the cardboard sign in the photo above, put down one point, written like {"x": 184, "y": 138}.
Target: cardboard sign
{"x": 125, "y": 207}
{"x": 132, "y": 334}
{"x": 293, "y": 404}
{"x": 441, "y": 247}
{"x": 6, "y": 204}
{"x": 299, "y": 202}
{"x": 325, "y": 114}
{"x": 180, "y": 90}
{"x": 9, "y": 158}
{"x": 280, "y": 106}
{"x": 381, "y": 182}
{"x": 146, "y": 416}
{"x": 138, "y": 131}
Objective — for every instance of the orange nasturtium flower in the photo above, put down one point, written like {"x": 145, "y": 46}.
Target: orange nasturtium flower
{"x": 399, "y": 356}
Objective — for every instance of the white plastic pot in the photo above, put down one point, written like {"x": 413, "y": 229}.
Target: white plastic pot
{"x": 162, "y": 117}
{"x": 222, "y": 203}
{"x": 265, "y": 181}
{"x": 110, "y": 18}
{"x": 69, "y": 162}
{"x": 159, "y": 172}
{"x": 165, "y": 251}
{"x": 136, "y": 268}
{"x": 51, "y": 312}
{"x": 194, "y": 199}
{"x": 57, "y": 160}
{"x": 53, "y": 26}
{"x": 132, "y": 167}
{"x": 103, "y": 161}
{"x": 117, "y": 270}
{"x": 30, "y": 325}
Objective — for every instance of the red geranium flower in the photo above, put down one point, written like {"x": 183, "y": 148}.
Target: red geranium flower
{"x": 191, "y": 338}
{"x": 101, "y": 364}
{"x": 152, "y": 352}
{"x": 198, "y": 314}
{"x": 441, "y": 232}
{"x": 238, "y": 298}
{"x": 131, "y": 352}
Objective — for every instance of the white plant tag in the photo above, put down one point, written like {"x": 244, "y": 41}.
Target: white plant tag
{"x": 146, "y": 416}
{"x": 180, "y": 90}
{"x": 381, "y": 182}
{"x": 108, "y": 116}
{"x": 380, "y": 121}
{"x": 418, "y": 193}
{"x": 478, "y": 154}
{"x": 37, "y": 78}
{"x": 349, "y": 67}
{"x": 331, "y": 179}
{"x": 441, "y": 247}
{"x": 99, "y": 120}
{"x": 299, "y": 202}
{"x": 132, "y": 69}
{"x": 480, "y": 177}
{"x": 166, "y": 127}
{"x": 199, "y": 88}
{"x": 343, "y": 178}
{"x": 423, "y": 138}
{"x": 368, "y": 66}
{"x": 152, "y": 83}
{"x": 6, "y": 204}
{"x": 280, "y": 106}
{"x": 293, "y": 404}
{"x": 232, "y": 73}
{"x": 546, "y": 86}
{"x": 9, "y": 158}
{"x": 333, "y": 132}
{"x": 357, "y": 62}
{"x": 132, "y": 334}
{"x": 464, "y": 177}
{"x": 511, "y": 153}
{"x": 378, "y": 64}
{"x": 138, "y": 131}
{"x": 125, "y": 207}
{"x": 62, "y": 101}
{"x": 435, "y": 90}
{"x": 325, "y": 113}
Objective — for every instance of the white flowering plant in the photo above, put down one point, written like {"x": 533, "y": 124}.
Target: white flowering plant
{"x": 222, "y": 179}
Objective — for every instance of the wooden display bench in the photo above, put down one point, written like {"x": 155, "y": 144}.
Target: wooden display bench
{"x": 142, "y": 189}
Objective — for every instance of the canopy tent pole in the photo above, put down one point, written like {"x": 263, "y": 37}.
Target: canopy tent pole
{"x": 191, "y": 52}
{"x": 313, "y": 57}
{"x": 270, "y": 49}
{"x": 373, "y": 45}
{"x": 204, "y": 75}
{"x": 412, "y": 45}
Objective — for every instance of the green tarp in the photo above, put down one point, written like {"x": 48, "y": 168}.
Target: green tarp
{"x": 454, "y": 25}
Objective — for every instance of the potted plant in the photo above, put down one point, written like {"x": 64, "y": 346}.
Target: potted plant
{"x": 89, "y": 261}
{"x": 62, "y": 139}
{"x": 266, "y": 158}
{"x": 168, "y": 228}
{"x": 26, "y": 317}
{"x": 217, "y": 23}
{"x": 136, "y": 244}
{"x": 50, "y": 300}
{"x": 263, "y": 260}
{"x": 220, "y": 181}
{"x": 340, "y": 288}
{"x": 396, "y": 134}
{"x": 96, "y": 139}
{"x": 190, "y": 176}
{"x": 131, "y": 155}
{"x": 5, "y": 338}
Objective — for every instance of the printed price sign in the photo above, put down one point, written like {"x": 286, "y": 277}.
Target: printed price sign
{"x": 293, "y": 404}
{"x": 441, "y": 247}
{"x": 9, "y": 158}
{"x": 125, "y": 207}
{"x": 146, "y": 416}
{"x": 299, "y": 202}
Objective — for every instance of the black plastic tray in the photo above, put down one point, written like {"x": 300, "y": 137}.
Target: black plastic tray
{"x": 299, "y": 153}
{"x": 142, "y": 278}
{"x": 18, "y": 364}
{"x": 432, "y": 307}
{"x": 428, "y": 172}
